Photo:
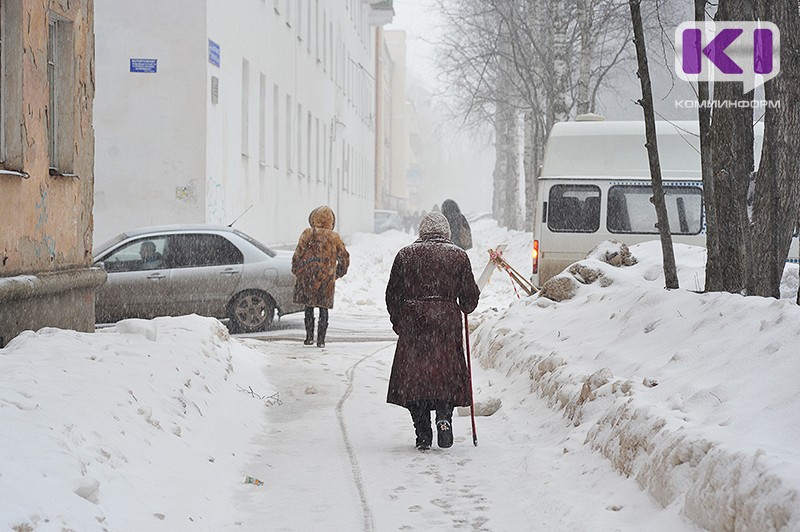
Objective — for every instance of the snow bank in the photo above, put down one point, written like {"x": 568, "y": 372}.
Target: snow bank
{"x": 694, "y": 395}
{"x": 100, "y": 429}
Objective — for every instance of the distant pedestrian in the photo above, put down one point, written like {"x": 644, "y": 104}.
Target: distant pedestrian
{"x": 460, "y": 231}
{"x": 319, "y": 259}
{"x": 430, "y": 285}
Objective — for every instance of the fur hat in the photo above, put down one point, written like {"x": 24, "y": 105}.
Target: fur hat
{"x": 434, "y": 224}
{"x": 322, "y": 217}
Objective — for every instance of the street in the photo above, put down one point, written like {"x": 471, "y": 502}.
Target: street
{"x": 360, "y": 470}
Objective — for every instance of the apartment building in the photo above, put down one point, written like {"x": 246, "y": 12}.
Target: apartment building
{"x": 253, "y": 112}
{"x": 46, "y": 166}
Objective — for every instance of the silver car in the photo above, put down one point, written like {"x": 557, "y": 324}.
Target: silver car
{"x": 202, "y": 269}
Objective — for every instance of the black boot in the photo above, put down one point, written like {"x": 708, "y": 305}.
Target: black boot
{"x": 422, "y": 427}
{"x": 309, "y": 320}
{"x": 444, "y": 426}
{"x": 323, "y": 327}
{"x": 444, "y": 433}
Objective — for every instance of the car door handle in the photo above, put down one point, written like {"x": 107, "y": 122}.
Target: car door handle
{"x": 156, "y": 276}
{"x": 229, "y": 271}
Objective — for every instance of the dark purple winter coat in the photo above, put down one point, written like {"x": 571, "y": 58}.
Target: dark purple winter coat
{"x": 430, "y": 285}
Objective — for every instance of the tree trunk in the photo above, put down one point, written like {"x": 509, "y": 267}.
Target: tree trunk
{"x": 513, "y": 214}
{"x": 668, "y": 254}
{"x": 532, "y": 162}
{"x": 777, "y": 191}
{"x": 506, "y": 178}
{"x": 732, "y": 166}
{"x": 706, "y": 167}
{"x": 585, "y": 27}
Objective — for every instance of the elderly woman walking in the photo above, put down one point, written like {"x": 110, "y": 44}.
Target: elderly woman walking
{"x": 319, "y": 259}
{"x": 430, "y": 285}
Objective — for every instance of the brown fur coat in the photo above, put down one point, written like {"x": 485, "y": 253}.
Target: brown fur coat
{"x": 319, "y": 259}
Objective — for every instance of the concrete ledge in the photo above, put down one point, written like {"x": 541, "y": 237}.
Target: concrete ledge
{"x": 49, "y": 283}
{"x": 63, "y": 299}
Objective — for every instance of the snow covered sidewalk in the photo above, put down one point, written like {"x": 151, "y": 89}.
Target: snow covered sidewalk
{"x": 693, "y": 395}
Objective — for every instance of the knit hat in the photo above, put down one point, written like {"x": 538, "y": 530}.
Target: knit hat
{"x": 434, "y": 224}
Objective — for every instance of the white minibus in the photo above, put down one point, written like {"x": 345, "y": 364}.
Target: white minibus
{"x": 595, "y": 186}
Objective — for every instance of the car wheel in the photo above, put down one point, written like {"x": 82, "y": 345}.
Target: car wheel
{"x": 250, "y": 311}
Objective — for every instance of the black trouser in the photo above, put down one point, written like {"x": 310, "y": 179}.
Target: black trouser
{"x": 421, "y": 416}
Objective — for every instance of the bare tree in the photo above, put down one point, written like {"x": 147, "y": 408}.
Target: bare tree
{"x": 530, "y": 61}
{"x": 776, "y": 205}
{"x": 732, "y": 165}
{"x": 667, "y": 252}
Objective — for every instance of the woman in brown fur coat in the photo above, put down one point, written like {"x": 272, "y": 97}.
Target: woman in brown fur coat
{"x": 319, "y": 259}
{"x": 431, "y": 284}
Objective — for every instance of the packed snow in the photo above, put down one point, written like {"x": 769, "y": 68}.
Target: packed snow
{"x": 626, "y": 407}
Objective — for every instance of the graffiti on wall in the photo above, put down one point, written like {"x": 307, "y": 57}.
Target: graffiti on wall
{"x": 215, "y": 202}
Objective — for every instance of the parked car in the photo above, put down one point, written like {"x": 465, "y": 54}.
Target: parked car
{"x": 385, "y": 220}
{"x": 202, "y": 269}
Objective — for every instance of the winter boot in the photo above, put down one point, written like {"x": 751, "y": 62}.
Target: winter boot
{"x": 422, "y": 428}
{"x": 323, "y": 327}
{"x": 444, "y": 433}
{"x": 444, "y": 425}
{"x": 309, "y": 320}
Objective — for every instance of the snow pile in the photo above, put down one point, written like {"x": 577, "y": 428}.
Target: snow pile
{"x": 677, "y": 389}
{"x": 373, "y": 253}
{"x": 100, "y": 430}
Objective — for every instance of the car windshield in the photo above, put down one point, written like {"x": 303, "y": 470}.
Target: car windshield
{"x": 109, "y": 243}
{"x": 256, "y": 243}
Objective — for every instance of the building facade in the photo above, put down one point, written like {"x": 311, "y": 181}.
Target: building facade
{"x": 253, "y": 112}
{"x": 46, "y": 166}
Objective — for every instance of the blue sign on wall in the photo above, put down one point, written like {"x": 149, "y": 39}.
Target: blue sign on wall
{"x": 147, "y": 66}
{"x": 213, "y": 53}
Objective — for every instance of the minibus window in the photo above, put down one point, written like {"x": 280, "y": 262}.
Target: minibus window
{"x": 630, "y": 209}
{"x": 573, "y": 209}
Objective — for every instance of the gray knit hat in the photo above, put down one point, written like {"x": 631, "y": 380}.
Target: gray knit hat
{"x": 434, "y": 224}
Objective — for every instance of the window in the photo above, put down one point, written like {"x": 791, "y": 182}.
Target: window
{"x": 316, "y": 28}
{"x": 276, "y": 137}
{"x": 308, "y": 145}
{"x": 199, "y": 250}
{"x": 141, "y": 254}
{"x": 60, "y": 106}
{"x": 324, "y": 40}
{"x": 3, "y": 88}
{"x": 245, "y": 107}
{"x": 574, "y": 209}
{"x": 310, "y": 20}
{"x": 300, "y": 4}
{"x": 316, "y": 156}
{"x": 289, "y": 141}
{"x": 300, "y": 140}
{"x": 325, "y": 154}
{"x": 262, "y": 119}
{"x": 630, "y": 209}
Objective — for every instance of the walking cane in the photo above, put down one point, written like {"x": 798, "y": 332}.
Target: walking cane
{"x": 469, "y": 368}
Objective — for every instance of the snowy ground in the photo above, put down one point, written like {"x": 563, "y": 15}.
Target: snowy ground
{"x": 154, "y": 425}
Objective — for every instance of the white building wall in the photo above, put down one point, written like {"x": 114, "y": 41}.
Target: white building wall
{"x": 149, "y": 127}
{"x": 317, "y": 55}
{"x": 206, "y": 161}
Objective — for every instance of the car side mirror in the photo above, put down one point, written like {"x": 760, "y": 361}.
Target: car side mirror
{"x": 100, "y": 264}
